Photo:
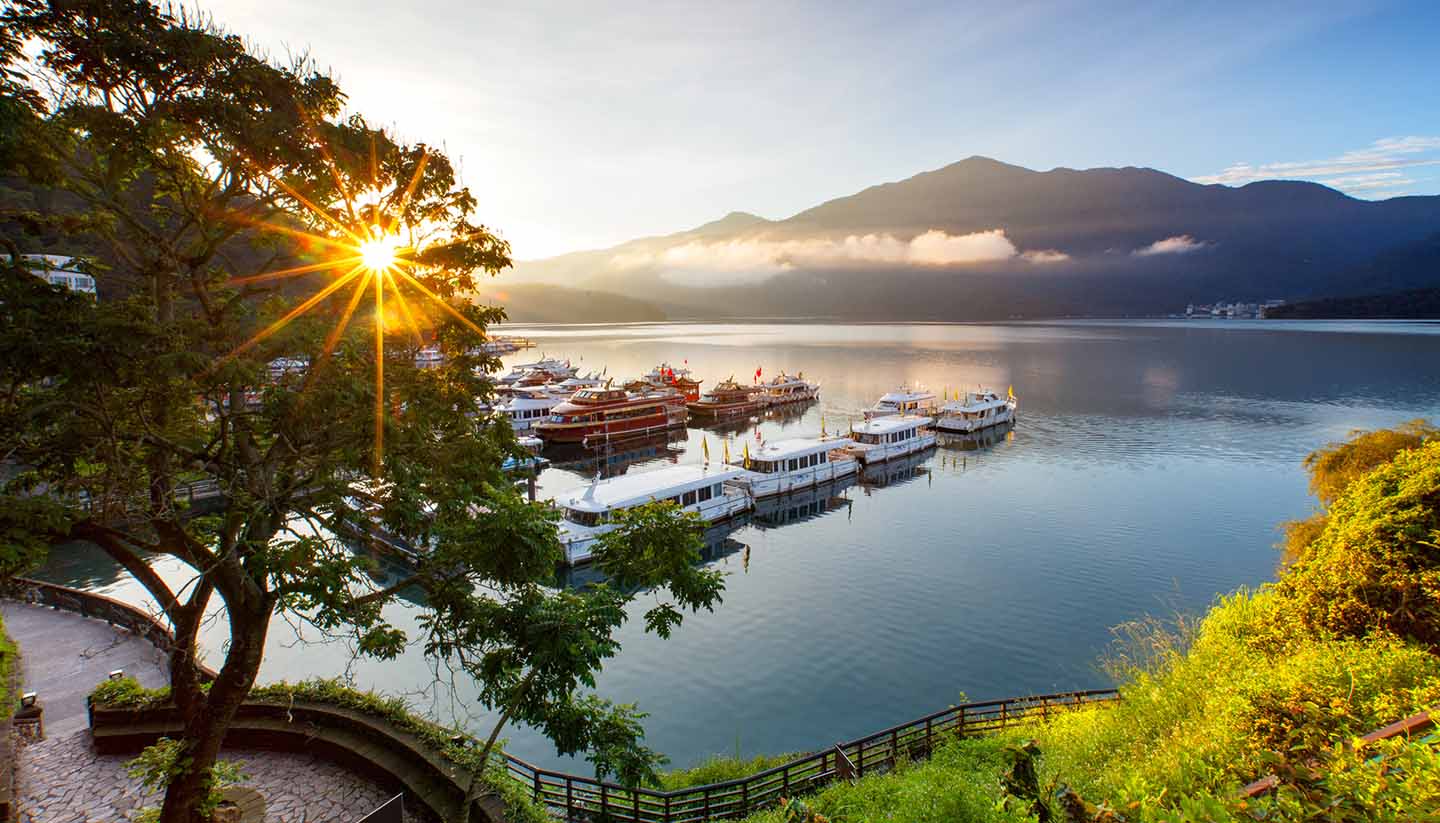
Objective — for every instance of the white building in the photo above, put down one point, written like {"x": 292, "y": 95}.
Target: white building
{"x": 52, "y": 267}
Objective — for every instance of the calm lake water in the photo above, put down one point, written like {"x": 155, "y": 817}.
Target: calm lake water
{"x": 1149, "y": 470}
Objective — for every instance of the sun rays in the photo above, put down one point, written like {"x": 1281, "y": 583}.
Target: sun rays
{"x": 365, "y": 249}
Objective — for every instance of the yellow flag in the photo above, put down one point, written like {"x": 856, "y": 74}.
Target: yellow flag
{"x": 705, "y": 447}
{"x": 747, "y": 454}
{"x": 726, "y": 445}
{"x": 1010, "y": 392}
{"x": 822, "y": 425}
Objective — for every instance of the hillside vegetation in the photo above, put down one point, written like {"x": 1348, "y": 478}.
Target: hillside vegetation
{"x": 1279, "y": 680}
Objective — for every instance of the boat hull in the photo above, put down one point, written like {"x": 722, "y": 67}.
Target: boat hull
{"x": 605, "y": 431}
{"x": 869, "y": 453}
{"x": 770, "y": 485}
{"x": 721, "y": 411}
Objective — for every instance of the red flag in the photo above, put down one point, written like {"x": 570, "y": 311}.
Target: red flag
{"x": 757, "y": 372}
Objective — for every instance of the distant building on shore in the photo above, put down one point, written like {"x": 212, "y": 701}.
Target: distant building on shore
{"x": 1229, "y": 310}
{"x": 54, "y": 269}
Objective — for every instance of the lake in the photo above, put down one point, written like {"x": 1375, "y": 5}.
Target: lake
{"x": 1151, "y": 466}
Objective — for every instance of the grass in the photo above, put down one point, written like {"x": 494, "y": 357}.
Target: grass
{"x": 9, "y": 657}
{"x": 720, "y": 768}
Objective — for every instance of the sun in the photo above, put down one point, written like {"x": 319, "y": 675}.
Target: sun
{"x": 379, "y": 253}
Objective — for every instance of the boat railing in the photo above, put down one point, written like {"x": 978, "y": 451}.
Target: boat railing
{"x": 576, "y": 797}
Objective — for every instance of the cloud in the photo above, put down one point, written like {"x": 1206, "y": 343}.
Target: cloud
{"x": 757, "y": 259}
{"x": 1045, "y": 256}
{"x": 1379, "y": 170}
{"x": 1179, "y": 244}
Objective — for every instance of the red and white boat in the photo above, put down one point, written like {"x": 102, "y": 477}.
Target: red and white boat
{"x": 665, "y": 376}
{"x": 599, "y": 415}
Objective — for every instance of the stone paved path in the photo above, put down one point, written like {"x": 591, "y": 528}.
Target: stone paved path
{"x": 62, "y": 780}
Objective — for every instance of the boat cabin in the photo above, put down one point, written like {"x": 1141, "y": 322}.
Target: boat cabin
{"x": 793, "y": 455}
{"x": 886, "y": 430}
{"x": 686, "y": 486}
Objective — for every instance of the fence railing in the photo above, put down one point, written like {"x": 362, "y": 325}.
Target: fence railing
{"x": 574, "y": 797}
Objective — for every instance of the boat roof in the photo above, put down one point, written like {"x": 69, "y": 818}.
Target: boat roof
{"x": 796, "y": 446}
{"x": 634, "y": 489}
{"x": 892, "y": 423}
{"x": 531, "y": 401}
{"x": 900, "y": 395}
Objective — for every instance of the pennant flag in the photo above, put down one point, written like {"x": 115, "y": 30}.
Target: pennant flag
{"x": 1010, "y": 392}
{"x": 747, "y": 455}
{"x": 725, "y": 444}
{"x": 822, "y": 425}
{"x": 705, "y": 447}
{"x": 757, "y": 372}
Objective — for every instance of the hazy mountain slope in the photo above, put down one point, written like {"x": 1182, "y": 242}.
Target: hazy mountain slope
{"x": 543, "y": 303}
{"x": 1099, "y": 241}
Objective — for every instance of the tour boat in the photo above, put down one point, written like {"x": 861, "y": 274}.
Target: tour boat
{"x": 667, "y": 376}
{"x": 429, "y": 357}
{"x": 603, "y": 414}
{"x": 528, "y": 406}
{"x": 903, "y": 400}
{"x": 549, "y": 367}
{"x": 729, "y": 399}
{"x": 695, "y": 488}
{"x": 789, "y": 465}
{"x": 881, "y": 438}
{"x": 977, "y": 410}
{"x": 567, "y": 387}
{"x": 783, "y": 389}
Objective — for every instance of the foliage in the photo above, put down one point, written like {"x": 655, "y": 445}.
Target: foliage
{"x": 1376, "y": 564}
{"x": 720, "y": 768}
{"x": 9, "y": 657}
{"x": 158, "y": 765}
{"x": 1335, "y": 466}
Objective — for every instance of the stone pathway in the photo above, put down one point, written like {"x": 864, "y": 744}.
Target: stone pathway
{"x": 62, "y": 780}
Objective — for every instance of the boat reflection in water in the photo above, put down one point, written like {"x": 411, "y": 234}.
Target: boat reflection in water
{"x": 781, "y": 415}
{"x": 975, "y": 441}
{"x": 718, "y": 540}
{"x": 896, "y": 470}
{"x": 808, "y": 504}
{"x": 612, "y": 459}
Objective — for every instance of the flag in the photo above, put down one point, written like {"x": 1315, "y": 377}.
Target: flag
{"x": 1010, "y": 392}
{"x": 705, "y": 447}
{"x": 822, "y": 425}
{"x": 757, "y": 373}
{"x": 725, "y": 444}
{"x": 747, "y": 455}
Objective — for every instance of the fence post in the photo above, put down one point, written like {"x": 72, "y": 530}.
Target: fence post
{"x": 785, "y": 780}
{"x": 1044, "y": 708}
{"x": 1004, "y": 713}
{"x": 537, "y": 785}
{"x": 569, "y": 798}
{"x": 667, "y": 808}
{"x": 604, "y": 799}
{"x": 929, "y": 744}
{"x": 707, "y": 802}
{"x": 961, "y": 723}
{"x": 894, "y": 747}
{"x": 860, "y": 758}
{"x": 745, "y": 798}
{"x": 635, "y": 793}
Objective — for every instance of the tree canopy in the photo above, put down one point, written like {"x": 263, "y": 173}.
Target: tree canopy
{"x": 228, "y": 206}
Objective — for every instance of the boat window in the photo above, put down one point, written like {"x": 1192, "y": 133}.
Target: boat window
{"x": 824, "y": 457}
{"x": 715, "y": 489}
{"x": 689, "y": 499}
{"x": 582, "y": 518}
{"x": 704, "y": 493}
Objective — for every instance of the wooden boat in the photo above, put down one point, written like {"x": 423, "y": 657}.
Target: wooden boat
{"x": 729, "y": 399}
{"x": 600, "y": 415}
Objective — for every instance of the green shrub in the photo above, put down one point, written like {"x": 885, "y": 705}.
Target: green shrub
{"x": 9, "y": 654}
{"x": 719, "y": 768}
{"x": 1376, "y": 564}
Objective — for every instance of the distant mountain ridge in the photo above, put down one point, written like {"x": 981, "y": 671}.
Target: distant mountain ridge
{"x": 982, "y": 239}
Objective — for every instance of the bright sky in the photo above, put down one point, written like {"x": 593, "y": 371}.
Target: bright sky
{"x": 581, "y": 124}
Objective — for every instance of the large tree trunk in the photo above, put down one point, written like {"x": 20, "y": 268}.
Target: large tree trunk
{"x": 208, "y": 719}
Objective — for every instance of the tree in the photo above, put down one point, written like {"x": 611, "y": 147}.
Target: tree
{"x": 232, "y": 217}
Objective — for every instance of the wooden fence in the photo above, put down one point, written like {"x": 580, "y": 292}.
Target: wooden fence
{"x": 578, "y": 798}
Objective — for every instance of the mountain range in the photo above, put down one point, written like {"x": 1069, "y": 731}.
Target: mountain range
{"x": 980, "y": 239}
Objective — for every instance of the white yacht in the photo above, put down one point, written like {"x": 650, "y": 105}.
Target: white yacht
{"x": 526, "y": 407}
{"x": 881, "y": 438}
{"x": 565, "y": 388}
{"x": 783, "y": 388}
{"x": 790, "y": 465}
{"x": 429, "y": 357}
{"x": 903, "y": 400}
{"x": 551, "y": 367}
{"x": 977, "y": 410}
{"x": 695, "y": 488}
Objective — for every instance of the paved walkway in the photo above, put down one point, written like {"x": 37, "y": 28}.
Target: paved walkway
{"x": 62, "y": 780}
{"x": 64, "y": 656}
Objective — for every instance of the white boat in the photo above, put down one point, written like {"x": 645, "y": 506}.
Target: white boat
{"x": 800, "y": 463}
{"x": 695, "y": 488}
{"x": 903, "y": 400}
{"x": 549, "y": 366}
{"x": 567, "y": 387}
{"x": 526, "y": 407}
{"x": 783, "y": 388}
{"x": 429, "y": 357}
{"x": 975, "y": 411}
{"x": 881, "y": 438}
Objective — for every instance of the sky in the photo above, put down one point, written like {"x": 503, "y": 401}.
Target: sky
{"x": 581, "y": 125}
